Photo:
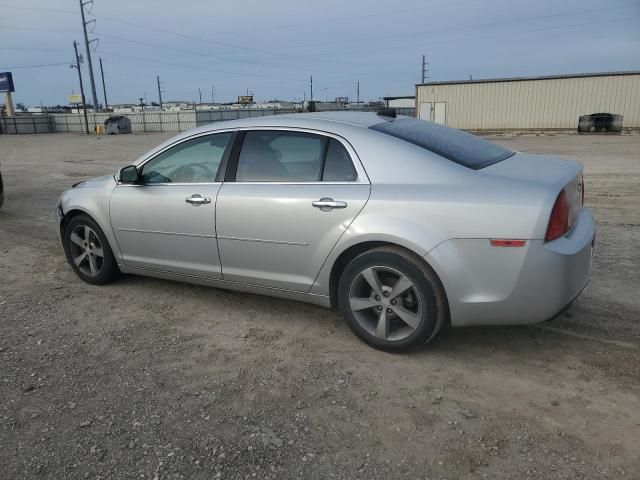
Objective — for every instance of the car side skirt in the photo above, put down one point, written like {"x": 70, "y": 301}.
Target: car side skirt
{"x": 320, "y": 300}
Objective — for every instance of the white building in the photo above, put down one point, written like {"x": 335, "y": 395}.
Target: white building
{"x": 530, "y": 103}
{"x": 400, "y": 102}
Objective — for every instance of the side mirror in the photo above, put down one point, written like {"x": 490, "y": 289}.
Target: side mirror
{"x": 129, "y": 174}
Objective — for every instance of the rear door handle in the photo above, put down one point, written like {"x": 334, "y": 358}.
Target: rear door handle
{"x": 197, "y": 200}
{"x": 326, "y": 204}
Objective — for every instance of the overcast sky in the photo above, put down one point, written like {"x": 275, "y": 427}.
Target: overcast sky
{"x": 272, "y": 47}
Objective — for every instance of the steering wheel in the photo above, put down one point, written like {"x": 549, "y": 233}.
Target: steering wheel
{"x": 186, "y": 173}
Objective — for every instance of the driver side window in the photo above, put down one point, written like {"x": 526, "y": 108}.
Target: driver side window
{"x": 193, "y": 161}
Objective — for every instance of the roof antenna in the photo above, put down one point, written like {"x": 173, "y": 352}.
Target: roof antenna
{"x": 388, "y": 112}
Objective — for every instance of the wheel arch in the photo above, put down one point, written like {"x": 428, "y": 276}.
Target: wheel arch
{"x": 353, "y": 251}
{"x": 74, "y": 211}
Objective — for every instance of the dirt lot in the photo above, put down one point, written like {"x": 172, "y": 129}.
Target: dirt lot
{"x": 153, "y": 379}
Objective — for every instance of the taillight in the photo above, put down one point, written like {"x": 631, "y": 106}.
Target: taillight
{"x": 559, "y": 220}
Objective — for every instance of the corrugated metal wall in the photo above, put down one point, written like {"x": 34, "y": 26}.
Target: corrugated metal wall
{"x": 534, "y": 104}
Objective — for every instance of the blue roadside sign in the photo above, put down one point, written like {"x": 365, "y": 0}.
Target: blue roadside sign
{"x": 6, "y": 82}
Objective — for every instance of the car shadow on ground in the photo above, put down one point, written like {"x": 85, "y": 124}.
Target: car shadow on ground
{"x": 533, "y": 340}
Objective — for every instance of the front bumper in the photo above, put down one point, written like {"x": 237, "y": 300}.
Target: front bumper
{"x": 488, "y": 285}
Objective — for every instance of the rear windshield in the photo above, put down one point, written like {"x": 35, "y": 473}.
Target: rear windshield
{"x": 455, "y": 145}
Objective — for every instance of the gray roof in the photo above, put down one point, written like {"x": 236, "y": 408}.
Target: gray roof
{"x": 520, "y": 79}
{"x": 336, "y": 122}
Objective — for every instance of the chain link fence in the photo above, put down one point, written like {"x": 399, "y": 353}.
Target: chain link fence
{"x": 143, "y": 122}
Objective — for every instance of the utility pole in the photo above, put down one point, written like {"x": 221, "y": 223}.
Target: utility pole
{"x": 200, "y": 93}
{"x": 425, "y": 69}
{"x": 311, "y": 88}
{"x": 213, "y": 95}
{"x": 358, "y": 93}
{"x": 104, "y": 89}
{"x": 84, "y": 105}
{"x": 86, "y": 44}
{"x": 159, "y": 91}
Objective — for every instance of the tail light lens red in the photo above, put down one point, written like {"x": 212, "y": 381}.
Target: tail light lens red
{"x": 559, "y": 220}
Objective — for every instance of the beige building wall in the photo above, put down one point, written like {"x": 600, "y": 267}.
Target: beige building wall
{"x": 544, "y": 103}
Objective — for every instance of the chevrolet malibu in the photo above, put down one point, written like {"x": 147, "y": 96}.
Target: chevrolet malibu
{"x": 401, "y": 224}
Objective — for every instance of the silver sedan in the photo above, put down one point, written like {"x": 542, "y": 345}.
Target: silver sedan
{"x": 401, "y": 224}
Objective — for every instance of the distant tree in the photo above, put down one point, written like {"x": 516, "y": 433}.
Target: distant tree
{"x": 20, "y": 106}
{"x": 154, "y": 104}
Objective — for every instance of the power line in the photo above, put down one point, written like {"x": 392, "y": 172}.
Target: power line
{"x": 36, "y": 66}
{"x": 462, "y": 27}
{"x": 35, "y": 49}
{"x": 38, "y": 29}
{"x": 480, "y": 37}
{"x": 251, "y": 62}
{"x": 198, "y": 67}
{"x": 20, "y": 7}
{"x": 214, "y": 42}
{"x": 194, "y": 67}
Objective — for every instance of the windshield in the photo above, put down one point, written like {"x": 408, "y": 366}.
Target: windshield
{"x": 458, "y": 146}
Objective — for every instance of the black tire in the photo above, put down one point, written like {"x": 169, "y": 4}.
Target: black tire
{"x": 107, "y": 268}
{"x": 431, "y": 314}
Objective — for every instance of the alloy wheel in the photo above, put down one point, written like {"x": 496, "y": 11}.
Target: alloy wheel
{"x": 86, "y": 250}
{"x": 385, "y": 303}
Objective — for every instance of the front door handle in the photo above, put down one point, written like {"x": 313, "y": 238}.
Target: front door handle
{"x": 197, "y": 200}
{"x": 326, "y": 204}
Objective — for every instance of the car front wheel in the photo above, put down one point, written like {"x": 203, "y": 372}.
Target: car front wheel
{"x": 391, "y": 299}
{"x": 88, "y": 251}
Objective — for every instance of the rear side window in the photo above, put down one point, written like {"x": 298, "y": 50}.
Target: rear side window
{"x": 287, "y": 156}
{"x": 280, "y": 157}
{"x": 337, "y": 165}
{"x": 458, "y": 146}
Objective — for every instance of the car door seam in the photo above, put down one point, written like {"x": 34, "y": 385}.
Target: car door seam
{"x": 338, "y": 240}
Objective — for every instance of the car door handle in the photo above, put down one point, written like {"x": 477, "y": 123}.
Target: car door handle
{"x": 197, "y": 200}
{"x": 326, "y": 204}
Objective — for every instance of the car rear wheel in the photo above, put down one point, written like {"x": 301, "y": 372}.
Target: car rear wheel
{"x": 391, "y": 299}
{"x": 88, "y": 251}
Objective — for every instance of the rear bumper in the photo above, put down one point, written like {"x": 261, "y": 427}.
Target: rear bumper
{"x": 488, "y": 285}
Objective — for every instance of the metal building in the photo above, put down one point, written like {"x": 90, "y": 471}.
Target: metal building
{"x": 530, "y": 103}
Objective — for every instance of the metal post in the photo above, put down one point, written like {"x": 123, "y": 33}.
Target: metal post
{"x": 358, "y": 93}
{"x": 84, "y": 103}
{"x": 311, "y": 88}
{"x": 86, "y": 44}
{"x": 104, "y": 89}
{"x": 159, "y": 91}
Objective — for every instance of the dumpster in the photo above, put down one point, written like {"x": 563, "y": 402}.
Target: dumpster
{"x": 600, "y": 123}
{"x": 117, "y": 125}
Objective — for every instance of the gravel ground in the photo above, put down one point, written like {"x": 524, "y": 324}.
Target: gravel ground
{"x": 160, "y": 380}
